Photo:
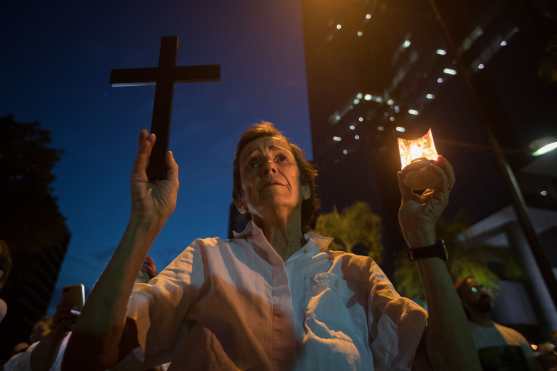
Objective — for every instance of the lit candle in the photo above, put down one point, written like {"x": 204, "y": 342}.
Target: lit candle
{"x": 419, "y": 153}
{"x": 416, "y": 149}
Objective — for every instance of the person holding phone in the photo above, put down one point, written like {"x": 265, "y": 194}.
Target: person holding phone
{"x": 47, "y": 353}
{"x": 273, "y": 297}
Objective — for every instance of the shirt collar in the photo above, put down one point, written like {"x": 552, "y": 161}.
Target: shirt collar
{"x": 314, "y": 241}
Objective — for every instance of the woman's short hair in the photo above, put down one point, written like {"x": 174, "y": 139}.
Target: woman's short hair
{"x": 308, "y": 173}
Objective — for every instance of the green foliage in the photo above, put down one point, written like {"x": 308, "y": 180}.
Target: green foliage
{"x": 356, "y": 224}
{"x": 487, "y": 264}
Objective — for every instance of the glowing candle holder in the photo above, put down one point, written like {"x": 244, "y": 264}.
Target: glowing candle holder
{"x": 415, "y": 157}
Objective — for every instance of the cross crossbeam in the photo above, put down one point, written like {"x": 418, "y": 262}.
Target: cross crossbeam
{"x": 163, "y": 77}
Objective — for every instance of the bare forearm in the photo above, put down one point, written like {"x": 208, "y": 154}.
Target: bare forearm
{"x": 449, "y": 341}
{"x": 99, "y": 329}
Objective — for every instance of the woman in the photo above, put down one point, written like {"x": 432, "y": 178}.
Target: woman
{"x": 274, "y": 297}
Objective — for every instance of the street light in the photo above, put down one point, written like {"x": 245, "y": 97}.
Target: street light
{"x": 543, "y": 146}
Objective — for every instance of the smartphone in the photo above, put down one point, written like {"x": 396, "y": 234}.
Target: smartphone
{"x": 73, "y": 296}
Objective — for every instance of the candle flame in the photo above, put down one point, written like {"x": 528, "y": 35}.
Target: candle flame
{"x": 414, "y": 149}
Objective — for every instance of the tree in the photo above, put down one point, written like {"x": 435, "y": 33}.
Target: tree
{"x": 356, "y": 226}
{"x": 30, "y": 217}
{"x": 31, "y": 224}
{"x": 488, "y": 264}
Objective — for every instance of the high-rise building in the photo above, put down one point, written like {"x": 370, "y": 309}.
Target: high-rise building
{"x": 378, "y": 70}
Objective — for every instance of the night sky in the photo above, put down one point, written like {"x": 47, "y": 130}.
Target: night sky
{"x": 54, "y": 68}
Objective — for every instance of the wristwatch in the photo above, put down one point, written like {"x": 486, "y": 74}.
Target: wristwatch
{"x": 437, "y": 250}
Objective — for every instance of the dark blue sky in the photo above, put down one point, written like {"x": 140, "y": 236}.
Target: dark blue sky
{"x": 54, "y": 68}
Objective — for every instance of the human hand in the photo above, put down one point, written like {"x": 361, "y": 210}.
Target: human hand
{"x": 149, "y": 267}
{"x": 153, "y": 202}
{"x": 63, "y": 320}
{"x": 418, "y": 213}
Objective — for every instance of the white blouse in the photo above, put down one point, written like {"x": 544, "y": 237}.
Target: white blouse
{"x": 235, "y": 304}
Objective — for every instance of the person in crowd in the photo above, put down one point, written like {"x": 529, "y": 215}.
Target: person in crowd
{"x": 5, "y": 269}
{"x": 50, "y": 335}
{"x": 273, "y": 297}
{"x": 498, "y": 346}
{"x": 47, "y": 339}
{"x": 22, "y": 346}
{"x": 148, "y": 270}
{"x": 547, "y": 356}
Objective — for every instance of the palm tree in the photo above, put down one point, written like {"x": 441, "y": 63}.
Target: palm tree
{"x": 356, "y": 227}
{"x": 488, "y": 264}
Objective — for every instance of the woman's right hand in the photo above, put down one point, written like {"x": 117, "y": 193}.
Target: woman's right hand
{"x": 153, "y": 202}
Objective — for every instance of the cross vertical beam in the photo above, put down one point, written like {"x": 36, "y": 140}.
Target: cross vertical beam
{"x": 162, "y": 109}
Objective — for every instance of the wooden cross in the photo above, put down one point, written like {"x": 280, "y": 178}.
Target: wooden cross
{"x": 164, "y": 77}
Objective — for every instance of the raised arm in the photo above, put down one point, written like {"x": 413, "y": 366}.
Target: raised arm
{"x": 97, "y": 335}
{"x": 449, "y": 342}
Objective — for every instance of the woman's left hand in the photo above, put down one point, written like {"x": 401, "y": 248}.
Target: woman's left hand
{"x": 418, "y": 214}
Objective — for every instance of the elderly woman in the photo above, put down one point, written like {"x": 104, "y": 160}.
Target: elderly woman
{"x": 273, "y": 297}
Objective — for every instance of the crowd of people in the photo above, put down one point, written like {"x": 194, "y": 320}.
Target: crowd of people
{"x": 275, "y": 297}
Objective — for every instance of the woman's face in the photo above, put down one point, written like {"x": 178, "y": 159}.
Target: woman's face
{"x": 270, "y": 177}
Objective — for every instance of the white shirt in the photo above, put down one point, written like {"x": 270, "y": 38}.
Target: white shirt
{"x": 22, "y": 361}
{"x": 319, "y": 310}
{"x": 496, "y": 335}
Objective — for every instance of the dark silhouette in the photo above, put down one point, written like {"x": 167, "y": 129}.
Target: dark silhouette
{"x": 31, "y": 224}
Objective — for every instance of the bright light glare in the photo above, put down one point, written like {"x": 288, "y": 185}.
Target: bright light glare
{"x": 545, "y": 149}
{"x": 360, "y": 119}
{"x": 368, "y": 16}
{"x": 503, "y": 43}
{"x": 406, "y": 44}
{"x": 413, "y": 112}
{"x": 390, "y": 102}
{"x": 441, "y": 52}
{"x": 345, "y": 152}
{"x": 400, "y": 129}
{"x": 339, "y": 26}
{"x": 481, "y": 66}
{"x": 543, "y": 192}
{"x": 392, "y": 119}
{"x": 449, "y": 71}
{"x": 440, "y": 80}
{"x": 359, "y": 95}
{"x": 413, "y": 149}
{"x": 368, "y": 97}
{"x": 360, "y": 33}
{"x": 352, "y": 127}
{"x": 356, "y": 101}
{"x": 430, "y": 96}
{"x": 357, "y": 137}
{"x": 337, "y": 139}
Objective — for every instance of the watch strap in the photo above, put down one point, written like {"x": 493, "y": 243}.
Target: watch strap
{"x": 437, "y": 250}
